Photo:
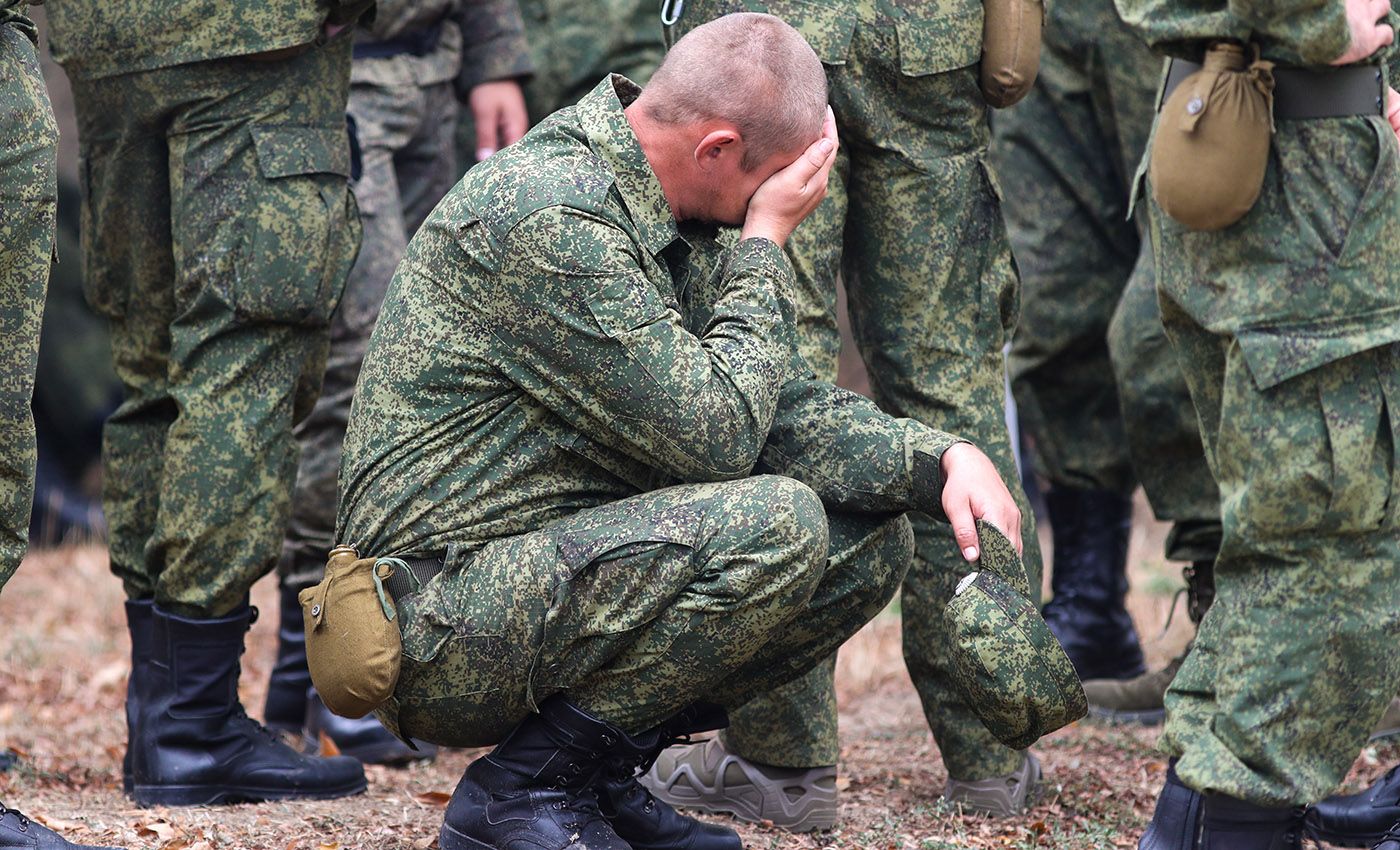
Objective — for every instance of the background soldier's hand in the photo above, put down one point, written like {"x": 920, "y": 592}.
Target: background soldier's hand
{"x": 973, "y": 490}
{"x": 790, "y": 195}
{"x": 1368, "y": 34}
{"x": 498, "y": 108}
{"x": 1392, "y": 111}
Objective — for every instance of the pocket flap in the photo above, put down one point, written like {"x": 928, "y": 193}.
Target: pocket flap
{"x": 933, "y": 45}
{"x": 826, "y": 28}
{"x": 1275, "y": 354}
{"x": 287, "y": 150}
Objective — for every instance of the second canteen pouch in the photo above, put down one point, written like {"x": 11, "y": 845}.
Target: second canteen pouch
{"x": 353, "y": 645}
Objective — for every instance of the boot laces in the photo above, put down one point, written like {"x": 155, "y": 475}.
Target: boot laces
{"x": 578, "y": 801}
{"x": 23, "y": 821}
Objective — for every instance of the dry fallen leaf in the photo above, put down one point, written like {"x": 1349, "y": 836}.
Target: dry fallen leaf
{"x": 439, "y": 799}
{"x": 328, "y": 747}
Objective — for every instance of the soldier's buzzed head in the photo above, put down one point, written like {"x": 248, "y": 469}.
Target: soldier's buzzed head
{"x": 739, "y": 97}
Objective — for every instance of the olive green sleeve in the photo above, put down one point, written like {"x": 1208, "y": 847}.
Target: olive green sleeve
{"x": 853, "y": 454}
{"x": 588, "y": 335}
{"x": 493, "y": 44}
{"x": 1315, "y": 30}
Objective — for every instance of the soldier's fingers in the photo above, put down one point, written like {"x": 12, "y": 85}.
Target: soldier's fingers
{"x": 514, "y": 123}
{"x": 487, "y": 132}
{"x": 1379, "y": 9}
{"x": 959, "y": 511}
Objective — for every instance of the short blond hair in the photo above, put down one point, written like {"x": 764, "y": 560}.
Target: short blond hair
{"x": 748, "y": 69}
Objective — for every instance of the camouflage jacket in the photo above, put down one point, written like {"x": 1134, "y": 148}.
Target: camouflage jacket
{"x": 1288, "y": 32}
{"x": 481, "y": 40}
{"x": 12, "y": 15}
{"x": 102, "y": 38}
{"x": 554, "y": 340}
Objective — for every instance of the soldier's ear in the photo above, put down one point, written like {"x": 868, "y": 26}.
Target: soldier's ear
{"x": 719, "y": 147}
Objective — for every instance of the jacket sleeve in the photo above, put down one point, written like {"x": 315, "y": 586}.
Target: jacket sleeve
{"x": 584, "y": 331}
{"x": 855, "y": 456}
{"x": 493, "y": 44}
{"x": 1315, "y": 30}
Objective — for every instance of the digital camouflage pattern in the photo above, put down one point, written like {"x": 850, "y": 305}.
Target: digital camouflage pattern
{"x": 555, "y": 360}
{"x": 28, "y": 201}
{"x": 930, "y": 314}
{"x": 1285, "y": 327}
{"x": 405, "y": 111}
{"x": 1089, "y": 305}
{"x": 218, "y": 232}
{"x": 494, "y": 45}
{"x": 571, "y": 46}
{"x": 104, "y": 38}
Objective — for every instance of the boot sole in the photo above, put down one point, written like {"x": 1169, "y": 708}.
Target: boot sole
{"x": 817, "y": 814}
{"x": 1116, "y": 717}
{"x": 451, "y": 839}
{"x": 213, "y": 795}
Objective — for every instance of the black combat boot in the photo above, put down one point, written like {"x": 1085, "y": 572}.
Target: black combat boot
{"x": 293, "y": 705}
{"x": 1176, "y": 822}
{"x": 1361, "y": 819}
{"x": 536, "y": 788}
{"x": 1231, "y": 824}
{"x": 195, "y": 745}
{"x": 140, "y": 625}
{"x": 1391, "y": 839}
{"x": 18, "y": 831}
{"x": 1090, "y": 582}
{"x": 639, "y": 818}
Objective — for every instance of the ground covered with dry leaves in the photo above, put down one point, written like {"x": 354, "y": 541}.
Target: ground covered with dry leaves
{"x": 63, "y": 666}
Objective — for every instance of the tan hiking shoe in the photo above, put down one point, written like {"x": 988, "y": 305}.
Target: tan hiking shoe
{"x": 708, "y": 778}
{"x": 1137, "y": 700}
{"x": 1390, "y": 721}
{"x": 1000, "y": 796}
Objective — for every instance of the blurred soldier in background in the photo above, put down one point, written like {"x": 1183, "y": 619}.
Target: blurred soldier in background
{"x": 409, "y": 66}
{"x": 218, "y": 230}
{"x": 913, "y": 226}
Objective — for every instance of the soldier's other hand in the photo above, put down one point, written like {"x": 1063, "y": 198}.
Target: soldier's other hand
{"x": 1368, "y": 33}
{"x": 498, "y": 108}
{"x": 1392, "y": 111}
{"x": 785, "y": 199}
{"x": 973, "y": 490}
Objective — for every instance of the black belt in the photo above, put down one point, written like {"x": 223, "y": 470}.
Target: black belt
{"x": 1305, "y": 93}
{"x": 402, "y": 584}
{"x": 416, "y": 43}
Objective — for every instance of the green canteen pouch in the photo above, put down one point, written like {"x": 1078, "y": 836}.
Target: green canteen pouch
{"x": 1212, "y": 141}
{"x": 353, "y": 645}
{"x": 1010, "y": 49}
{"x": 1014, "y": 673}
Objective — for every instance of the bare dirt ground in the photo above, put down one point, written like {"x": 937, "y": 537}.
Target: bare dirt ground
{"x": 63, "y": 666}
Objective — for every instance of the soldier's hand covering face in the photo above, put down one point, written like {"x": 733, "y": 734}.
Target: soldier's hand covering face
{"x": 786, "y": 198}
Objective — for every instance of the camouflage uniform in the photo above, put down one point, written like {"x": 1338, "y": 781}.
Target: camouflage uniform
{"x": 572, "y": 44}
{"x": 1285, "y": 325}
{"x": 405, "y": 111}
{"x": 930, "y": 313}
{"x": 218, "y": 231}
{"x": 28, "y": 200}
{"x": 1089, "y": 307}
{"x": 598, "y": 419}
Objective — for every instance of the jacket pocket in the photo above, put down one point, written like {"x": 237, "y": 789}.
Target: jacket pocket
{"x": 302, "y": 234}
{"x": 933, "y": 45}
{"x": 826, "y": 28}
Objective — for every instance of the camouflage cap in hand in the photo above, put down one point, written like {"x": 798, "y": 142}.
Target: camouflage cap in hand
{"x": 1013, "y": 671}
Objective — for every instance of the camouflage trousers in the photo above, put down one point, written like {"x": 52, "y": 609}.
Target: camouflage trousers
{"x": 405, "y": 135}
{"x": 572, "y": 46}
{"x": 912, "y": 224}
{"x": 28, "y": 198}
{"x": 218, "y": 232}
{"x": 1096, "y": 383}
{"x": 640, "y": 607}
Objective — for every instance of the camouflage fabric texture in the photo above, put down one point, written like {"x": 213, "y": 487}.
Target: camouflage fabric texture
{"x": 930, "y": 314}
{"x": 218, "y": 233}
{"x": 1005, "y": 658}
{"x": 1089, "y": 306}
{"x": 598, "y": 419}
{"x": 1285, "y": 325}
{"x": 104, "y": 38}
{"x": 571, "y": 46}
{"x": 408, "y": 164}
{"x": 28, "y": 212}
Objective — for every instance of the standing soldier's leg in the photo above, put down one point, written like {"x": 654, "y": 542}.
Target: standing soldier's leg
{"x": 931, "y": 315}
{"x": 28, "y": 196}
{"x": 1075, "y": 246}
{"x": 220, "y": 293}
{"x": 405, "y": 141}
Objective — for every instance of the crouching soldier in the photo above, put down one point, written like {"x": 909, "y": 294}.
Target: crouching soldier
{"x": 588, "y": 469}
